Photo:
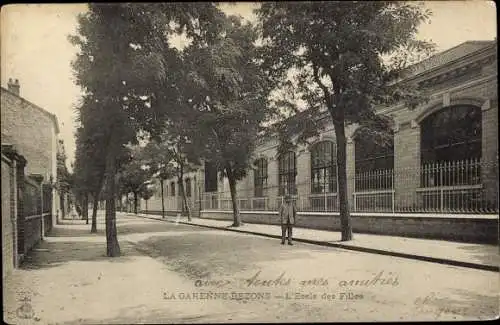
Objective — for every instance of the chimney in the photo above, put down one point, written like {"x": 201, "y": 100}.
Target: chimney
{"x": 14, "y": 86}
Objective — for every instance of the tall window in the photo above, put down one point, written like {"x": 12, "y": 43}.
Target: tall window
{"x": 188, "y": 187}
{"x": 323, "y": 168}
{"x": 287, "y": 172}
{"x": 374, "y": 162}
{"x": 172, "y": 189}
{"x": 260, "y": 177}
{"x": 210, "y": 177}
{"x": 451, "y": 146}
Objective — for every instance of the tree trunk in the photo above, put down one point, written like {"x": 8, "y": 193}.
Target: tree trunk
{"x": 162, "y": 200}
{"x": 85, "y": 208}
{"x": 185, "y": 205}
{"x": 61, "y": 201}
{"x": 135, "y": 202}
{"x": 234, "y": 198}
{"x": 112, "y": 246}
{"x": 94, "y": 213}
{"x": 146, "y": 206}
{"x": 345, "y": 218}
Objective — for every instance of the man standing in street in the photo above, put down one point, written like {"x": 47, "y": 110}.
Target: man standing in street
{"x": 287, "y": 213}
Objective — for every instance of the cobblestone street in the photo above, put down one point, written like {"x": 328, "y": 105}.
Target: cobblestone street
{"x": 177, "y": 273}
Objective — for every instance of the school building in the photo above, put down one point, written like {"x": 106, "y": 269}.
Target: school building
{"x": 438, "y": 177}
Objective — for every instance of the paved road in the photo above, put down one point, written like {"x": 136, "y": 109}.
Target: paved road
{"x": 183, "y": 274}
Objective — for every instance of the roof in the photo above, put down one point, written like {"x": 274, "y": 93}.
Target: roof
{"x": 439, "y": 59}
{"x": 50, "y": 115}
{"x": 450, "y": 55}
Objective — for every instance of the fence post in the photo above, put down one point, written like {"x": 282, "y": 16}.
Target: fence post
{"x": 393, "y": 192}
{"x": 41, "y": 212}
{"x": 199, "y": 198}
{"x": 326, "y": 200}
{"x": 441, "y": 178}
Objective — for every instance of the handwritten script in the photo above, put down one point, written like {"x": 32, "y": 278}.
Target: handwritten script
{"x": 257, "y": 280}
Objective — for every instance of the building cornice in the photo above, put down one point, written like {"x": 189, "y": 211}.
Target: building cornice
{"x": 454, "y": 67}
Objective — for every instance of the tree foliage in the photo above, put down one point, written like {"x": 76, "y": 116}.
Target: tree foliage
{"x": 133, "y": 176}
{"x": 228, "y": 92}
{"x": 346, "y": 58}
{"x": 127, "y": 65}
{"x": 64, "y": 181}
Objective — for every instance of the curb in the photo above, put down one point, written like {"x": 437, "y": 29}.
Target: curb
{"x": 347, "y": 247}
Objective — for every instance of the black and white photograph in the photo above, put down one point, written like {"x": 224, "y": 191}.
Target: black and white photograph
{"x": 249, "y": 162}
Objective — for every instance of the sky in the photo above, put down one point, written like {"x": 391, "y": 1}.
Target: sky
{"x": 35, "y": 49}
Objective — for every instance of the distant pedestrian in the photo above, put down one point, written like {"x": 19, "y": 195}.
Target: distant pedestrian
{"x": 287, "y": 213}
{"x": 79, "y": 211}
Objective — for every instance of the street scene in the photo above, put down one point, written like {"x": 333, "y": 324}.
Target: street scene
{"x": 249, "y": 162}
{"x": 177, "y": 273}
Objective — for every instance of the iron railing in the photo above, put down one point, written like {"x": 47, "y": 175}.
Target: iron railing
{"x": 448, "y": 187}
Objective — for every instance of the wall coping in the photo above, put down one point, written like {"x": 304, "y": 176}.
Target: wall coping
{"x": 375, "y": 214}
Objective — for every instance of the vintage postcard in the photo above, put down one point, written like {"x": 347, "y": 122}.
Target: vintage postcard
{"x": 249, "y": 162}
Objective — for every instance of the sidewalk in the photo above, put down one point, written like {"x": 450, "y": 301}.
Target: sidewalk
{"x": 67, "y": 279}
{"x": 478, "y": 256}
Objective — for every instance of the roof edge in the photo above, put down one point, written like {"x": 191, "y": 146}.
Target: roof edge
{"x": 51, "y": 115}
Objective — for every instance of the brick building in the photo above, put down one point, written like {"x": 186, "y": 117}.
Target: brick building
{"x": 442, "y": 157}
{"x": 29, "y": 151}
{"x": 32, "y": 131}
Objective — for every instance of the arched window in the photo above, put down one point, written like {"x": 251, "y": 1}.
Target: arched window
{"x": 172, "y": 188}
{"x": 374, "y": 161}
{"x": 451, "y": 134}
{"x": 451, "y": 146}
{"x": 260, "y": 177}
{"x": 323, "y": 168}
{"x": 188, "y": 187}
{"x": 287, "y": 171}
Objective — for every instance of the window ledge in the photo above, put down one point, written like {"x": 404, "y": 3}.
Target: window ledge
{"x": 449, "y": 188}
{"x": 319, "y": 195}
{"x": 373, "y": 192}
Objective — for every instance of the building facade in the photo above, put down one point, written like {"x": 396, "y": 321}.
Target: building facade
{"x": 442, "y": 157}
{"x": 33, "y": 132}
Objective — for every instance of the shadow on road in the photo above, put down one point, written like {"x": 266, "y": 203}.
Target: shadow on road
{"x": 48, "y": 254}
{"x": 69, "y": 231}
{"x": 214, "y": 253}
{"x": 155, "y": 226}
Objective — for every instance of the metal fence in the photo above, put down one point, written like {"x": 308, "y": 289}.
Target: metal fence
{"x": 32, "y": 208}
{"x": 32, "y": 200}
{"x": 450, "y": 187}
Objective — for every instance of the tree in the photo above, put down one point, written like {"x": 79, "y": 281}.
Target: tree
{"x": 64, "y": 177}
{"x": 159, "y": 161}
{"x": 174, "y": 153}
{"x": 337, "y": 51}
{"x": 146, "y": 193}
{"x": 133, "y": 176}
{"x": 228, "y": 91}
{"x": 123, "y": 63}
{"x": 89, "y": 168}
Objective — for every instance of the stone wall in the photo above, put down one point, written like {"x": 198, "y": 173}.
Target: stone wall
{"x": 8, "y": 217}
{"x": 474, "y": 229}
